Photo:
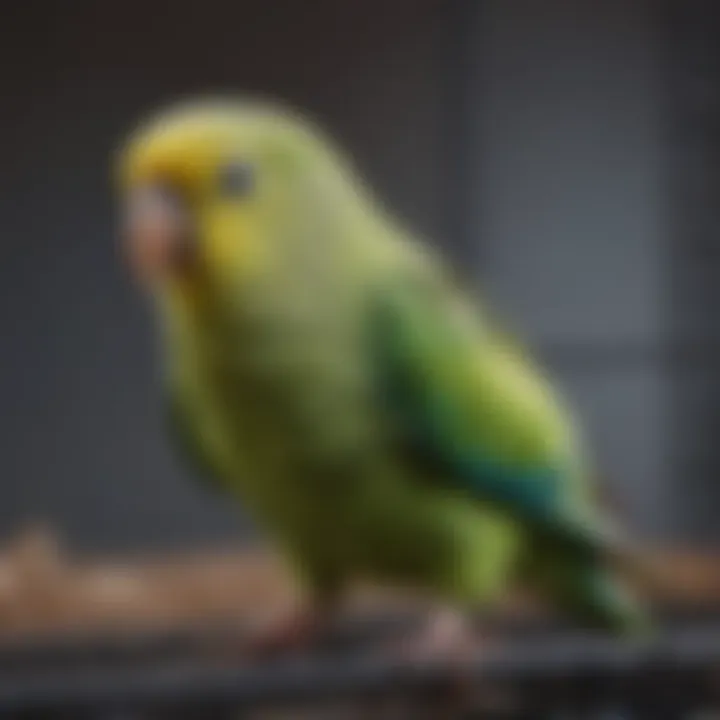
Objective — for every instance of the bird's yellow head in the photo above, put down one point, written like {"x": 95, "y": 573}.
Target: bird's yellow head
{"x": 216, "y": 189}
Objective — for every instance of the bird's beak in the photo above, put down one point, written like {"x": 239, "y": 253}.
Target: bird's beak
{"x": 157, "y": 235}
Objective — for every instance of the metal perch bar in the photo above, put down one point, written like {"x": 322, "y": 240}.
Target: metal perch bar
{"x": 68, "y": 648}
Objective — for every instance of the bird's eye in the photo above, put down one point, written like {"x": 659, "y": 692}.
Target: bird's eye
{"x": 236, "y": 180}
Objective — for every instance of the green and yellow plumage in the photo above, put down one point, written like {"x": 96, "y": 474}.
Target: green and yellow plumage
{"x": 322, "y": 366}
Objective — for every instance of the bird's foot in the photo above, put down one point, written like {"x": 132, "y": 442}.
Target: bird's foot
{"x": 446, "y": 637}
{"x": 291, "y": 632}
{"x": 449, "y": 642}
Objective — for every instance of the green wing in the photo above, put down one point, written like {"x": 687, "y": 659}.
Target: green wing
{"x": 471, "y": 405}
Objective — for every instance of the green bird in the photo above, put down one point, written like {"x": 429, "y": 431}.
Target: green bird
{"x": 325, "y": 367}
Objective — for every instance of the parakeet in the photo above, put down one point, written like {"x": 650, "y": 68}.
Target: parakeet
{"x": 323, "y": 365}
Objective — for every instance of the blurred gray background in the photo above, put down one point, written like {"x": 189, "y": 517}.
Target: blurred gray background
{"x": 563, "y": 150}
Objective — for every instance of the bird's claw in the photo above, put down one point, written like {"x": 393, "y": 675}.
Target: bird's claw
{"x": 292, "y": 632}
